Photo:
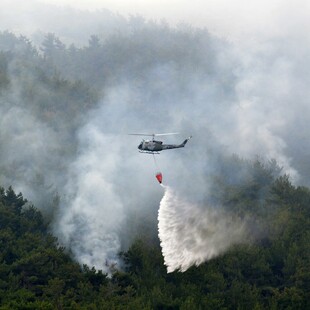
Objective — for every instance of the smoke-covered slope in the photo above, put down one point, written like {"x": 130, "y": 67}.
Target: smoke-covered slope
{"x": 66, "y": 112}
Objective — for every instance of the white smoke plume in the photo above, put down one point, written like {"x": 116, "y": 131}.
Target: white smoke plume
{"x": 190, "y": 235}
{"x": 92, "y": 214}
{"x": 102, "y": 184}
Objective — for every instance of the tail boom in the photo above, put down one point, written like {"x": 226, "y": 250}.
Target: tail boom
{"x": 175, "y": 146}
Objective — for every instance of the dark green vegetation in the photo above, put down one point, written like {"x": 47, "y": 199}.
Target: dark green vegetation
{"x": 273, "y": 273}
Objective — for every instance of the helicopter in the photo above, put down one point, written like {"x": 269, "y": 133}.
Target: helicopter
{"x": 154, "y": 146}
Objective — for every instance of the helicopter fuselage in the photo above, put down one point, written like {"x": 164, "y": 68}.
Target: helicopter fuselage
{"x": 153, "y": 146}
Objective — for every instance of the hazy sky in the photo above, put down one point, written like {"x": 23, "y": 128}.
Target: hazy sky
{"x": 227, "y": 18}
{"x": 238, "y": 20}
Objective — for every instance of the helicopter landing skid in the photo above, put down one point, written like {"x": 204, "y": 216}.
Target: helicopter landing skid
{"x": 149, "y": 152}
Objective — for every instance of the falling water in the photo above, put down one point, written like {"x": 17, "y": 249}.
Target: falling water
{"x": 190, "y": 235}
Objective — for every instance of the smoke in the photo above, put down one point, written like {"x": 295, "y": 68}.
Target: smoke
{"x": 250, "y": 98}
{"x": 34, "y": 19}
{"x": 29, "y": 157}
{"x": 190, "y": 235}
{"x": 93, "y": 213}
{"x": 104, "y": 186}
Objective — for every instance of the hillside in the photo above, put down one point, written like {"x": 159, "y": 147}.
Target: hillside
{"x": 87, "y": 236}
{"x": 272, "y": 273}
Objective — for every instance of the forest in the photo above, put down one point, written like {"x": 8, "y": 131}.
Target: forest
{"x": 49, "y": 93}
{"x": 272, "y": 273}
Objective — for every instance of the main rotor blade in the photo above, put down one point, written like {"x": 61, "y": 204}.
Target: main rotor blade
{"x": 166, "y": 134}
{"x": 153, "y": 134}
{"x": 141, "y": 134}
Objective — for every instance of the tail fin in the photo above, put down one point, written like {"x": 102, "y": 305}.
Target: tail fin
{"x": 185, "y": 141}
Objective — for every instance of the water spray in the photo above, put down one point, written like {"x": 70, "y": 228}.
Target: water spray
{"x": 190, "y": 235}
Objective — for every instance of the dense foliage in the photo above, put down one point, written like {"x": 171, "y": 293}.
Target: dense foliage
{"x": 273, "y": 273}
